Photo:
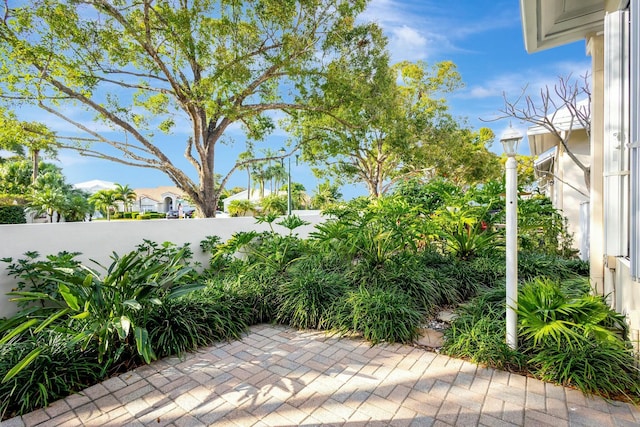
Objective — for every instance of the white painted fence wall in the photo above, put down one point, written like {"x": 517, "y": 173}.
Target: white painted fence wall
{"x": 99, "y": 239}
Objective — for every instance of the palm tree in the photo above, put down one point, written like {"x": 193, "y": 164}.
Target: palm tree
{"x": 325, "y": 194}
{"x": 126, "y": 195}
{"x": 246, "y": 156}
{"x": 104, "y": 200}
{"x": 274, "y": 203}
{"x": 48, "y": 200}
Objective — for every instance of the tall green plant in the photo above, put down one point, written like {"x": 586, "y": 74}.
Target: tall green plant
{"x": 105, "y": 312}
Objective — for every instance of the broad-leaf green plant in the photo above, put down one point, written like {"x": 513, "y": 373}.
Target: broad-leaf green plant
{"x": 105, "y": 311}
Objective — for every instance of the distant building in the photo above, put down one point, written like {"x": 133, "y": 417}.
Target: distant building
{"x": 94, "y": 186}
{"x": 244, "y": 195}
{"x": 160, "y": 199}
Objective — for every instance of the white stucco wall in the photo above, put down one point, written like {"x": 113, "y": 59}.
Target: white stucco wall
{"x": 97, "y": 240}
{"x": 567, "y": 198}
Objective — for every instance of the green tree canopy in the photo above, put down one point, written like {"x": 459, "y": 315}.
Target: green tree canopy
{"x": 15, "y": 135}
{"x": 383, "y": 134}
{"x": 143, "y": 68}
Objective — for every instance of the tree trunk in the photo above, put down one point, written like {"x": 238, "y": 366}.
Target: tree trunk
{"x": 34, "y": 159}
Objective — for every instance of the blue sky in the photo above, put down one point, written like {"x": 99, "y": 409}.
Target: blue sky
{"x": 482, "y": 37}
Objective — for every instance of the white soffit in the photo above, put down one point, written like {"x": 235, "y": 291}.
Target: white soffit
{"x": 550, "y": 23}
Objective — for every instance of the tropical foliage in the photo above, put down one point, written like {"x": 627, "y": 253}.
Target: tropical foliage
{"x": 378, "y": 268}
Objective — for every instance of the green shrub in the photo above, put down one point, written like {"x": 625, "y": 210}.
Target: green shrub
{"x": 575, "y": 339}
{"x": 43, "y": 276}
{"x": 105, "y": 310}
{"x": 478, "y": 333}
{"x": 404, "y": 272}
{"x": 481, "y": 339}
{"x": 378, "y": 314}
{"x": 12, "y": 214}
{"x": 535, "y": 264}
{"x": 59, "y": 369}
{"x": 305, "y": 299}
{"x": 144, "y": 216}
{"x": 185, "y": 324}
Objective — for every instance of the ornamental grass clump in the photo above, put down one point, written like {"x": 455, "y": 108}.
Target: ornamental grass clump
{"x": 379, "y": 315}
{"x": 60, "y": 368}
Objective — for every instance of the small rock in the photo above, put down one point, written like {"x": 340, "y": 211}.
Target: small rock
{"x": 430, "y": 338}
{"x": 447, "y": 316}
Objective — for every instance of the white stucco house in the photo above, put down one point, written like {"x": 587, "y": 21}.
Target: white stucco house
{"x": 559, "y": 177}
{"x": 254, "y": 196}
{"x": 159, "y": 199}
{"x": 94, "y": 186}
{"x": 611, "y": 29}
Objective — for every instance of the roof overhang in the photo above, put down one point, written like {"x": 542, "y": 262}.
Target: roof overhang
{"x": 550, "y": 23}
{"x": 543, "y": 165}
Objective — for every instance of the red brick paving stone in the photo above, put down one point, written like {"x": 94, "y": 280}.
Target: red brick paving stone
{"x": 597, "y": 403}
{"x": 492, "y": 406}
{"x": 535, "y": 401}
{"x": 554, "y": 391}
{"x": 402, "y": 417}
{"x": 574, "y": 397}
{"x": 513, "y": 413}
{"x": 326, "y": 416}
{"x": 132, "y": 391}
{"x": 130, "y": 377}
{"x": 440, "y": 389}
{"x": 468, "y": 418}
{"x": 67, "y": 417}
{"x": 501, "y": 377}
{"x": 107, "y": 403}
{"x": 311, "y": 403}
{"x": 209, "y": 415}
{"x": 422, "y": 421}
{"x": 357, "y": 398}
{"x": 57, "y": 408}
{"x": 486, "y": 373}
{"x": 491, "y": 421}
{"x": 589, "y": 417}
{"x": 532, "y": 417}
{"x": 535, "y": 386}
{"x": 292, "y": 414}
{"x": 622, "y": 411}
{"x": 76, "y": 400}
{"x": 463, "y": 380}
{"x": 465, "y": 398}
{"x": 137, "y": 407}
{"x": 188, "y": 421}
{"x": 269, "y": 406}
{"x": 557, "y": 408}
{"x": 421, "y": 408}
{"x": 520, "y": 382}
{"x": 448, "y": 412}
{"x": 162, "y": 415}
{"x": 480, "y": 386}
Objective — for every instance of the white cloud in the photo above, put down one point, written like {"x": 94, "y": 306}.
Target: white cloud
{"x": 421, "y": 29}
{"x": 533, "y": 80}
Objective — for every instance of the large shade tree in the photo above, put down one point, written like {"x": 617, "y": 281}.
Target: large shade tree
{"x": 143, "y": 68}
{"x": 386, "y": 132}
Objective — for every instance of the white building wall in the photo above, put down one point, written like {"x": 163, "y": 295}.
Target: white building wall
{"x": 97, "y": 240}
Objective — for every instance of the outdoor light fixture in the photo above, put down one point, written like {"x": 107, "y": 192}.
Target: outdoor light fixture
{"x": 510, "y": 140}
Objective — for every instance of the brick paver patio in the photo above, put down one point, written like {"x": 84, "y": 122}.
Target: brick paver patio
{"x": 277, "y": 376}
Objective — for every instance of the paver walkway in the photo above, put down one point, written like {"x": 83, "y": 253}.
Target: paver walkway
{"x": 277, "y": 376}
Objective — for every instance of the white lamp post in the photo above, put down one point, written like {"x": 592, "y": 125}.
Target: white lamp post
{"x": 510, "y": 139}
